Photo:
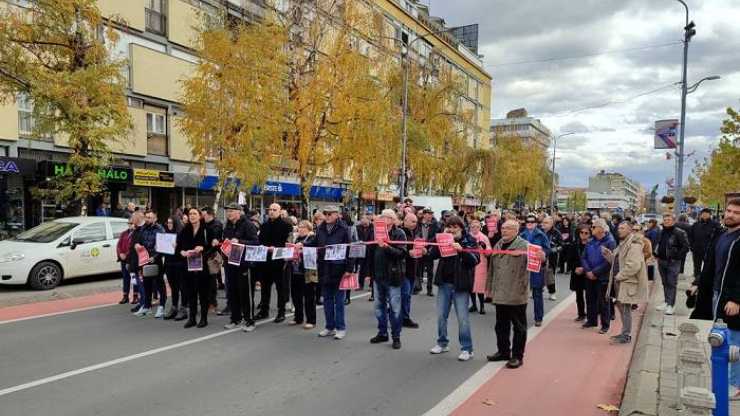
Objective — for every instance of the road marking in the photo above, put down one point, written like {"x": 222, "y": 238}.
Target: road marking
{"x": 471, "y": 385}
{"x": 46, "y": 315}
{"x": 100, "y": 366}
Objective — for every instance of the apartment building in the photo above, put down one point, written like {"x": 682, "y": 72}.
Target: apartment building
{"x": 613, "y": 190}
{"x": 155, "y": 167}
{"x": 518, "y": 123}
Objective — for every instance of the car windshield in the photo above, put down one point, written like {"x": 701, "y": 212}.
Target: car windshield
{"x": 46, "y": 232}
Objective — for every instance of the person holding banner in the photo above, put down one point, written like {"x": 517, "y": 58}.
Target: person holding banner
{"x": 481, "y": 270}
{"x": 147, "y": 240}
{"x": 454, "y": 281}
{"x": 365, "y": 233}
{"x": 303, "y": 281}
{"x": 413, "y": 262}
{"x": 428, "y": 228}
{"x": 533, "y": 235}
{"x": 508, "y": 282}
{"x": 191, "y": 243}
{"x": 275, "y": 232}
{"x": 390, "y": 268}
{"x": 332, "y": 232}
{"x": 239, "y": 231}
{"x": 132, "y": 260}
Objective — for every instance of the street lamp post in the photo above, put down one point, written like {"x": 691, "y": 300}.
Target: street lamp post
{"x": 689, "y": 32}
{"x": 404, "y": 58}
{"x": 554, "y": 146}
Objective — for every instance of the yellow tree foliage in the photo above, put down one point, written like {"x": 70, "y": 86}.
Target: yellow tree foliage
{"x": 720, "y": 173}
{"x": 236, "y": 101}
{"x": 54, "y": 52}
{"x": 341, "y": 121}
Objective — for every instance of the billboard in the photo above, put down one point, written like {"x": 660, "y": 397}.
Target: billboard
{"x": 666, "y": 134}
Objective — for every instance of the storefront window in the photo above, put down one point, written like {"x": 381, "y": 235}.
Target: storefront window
{"x": 137, "y": 194}
{"x": 11, "y": 206}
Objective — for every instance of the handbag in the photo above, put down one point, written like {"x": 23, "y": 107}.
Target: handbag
{"x": 150, "y": 270}
{"x": 349, "y": 282}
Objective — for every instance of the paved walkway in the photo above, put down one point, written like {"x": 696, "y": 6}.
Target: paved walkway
{"x": 567, "y": 371}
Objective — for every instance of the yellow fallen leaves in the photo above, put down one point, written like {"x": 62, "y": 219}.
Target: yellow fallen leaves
{"x": 608, "y": 407}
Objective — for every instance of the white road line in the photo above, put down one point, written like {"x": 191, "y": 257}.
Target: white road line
{"x": 46, "y": 315}
{"x": 100, "y": 366}
{"x": 472, "y": 384}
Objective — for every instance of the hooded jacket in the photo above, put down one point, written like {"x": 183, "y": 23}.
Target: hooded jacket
{"x": 462, "y": 264}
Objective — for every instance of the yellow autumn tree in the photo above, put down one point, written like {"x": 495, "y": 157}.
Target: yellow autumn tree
{"x": 54, "y": 54}
{"x": 341, "y": 121}
{"x": 720, "y": 172}
{"x": 235, "y": 103}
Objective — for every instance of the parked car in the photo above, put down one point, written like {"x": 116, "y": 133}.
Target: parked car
{"x": 61, "y": 249}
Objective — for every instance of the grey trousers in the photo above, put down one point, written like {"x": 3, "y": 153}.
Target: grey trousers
{"x": 625, "y": 311}
{"x": 669, "y": 276}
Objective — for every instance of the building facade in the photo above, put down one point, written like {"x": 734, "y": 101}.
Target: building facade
{"x": 518, "y": 123}
{"x": 612, "y": 190}
{"x": 155, "y": 166}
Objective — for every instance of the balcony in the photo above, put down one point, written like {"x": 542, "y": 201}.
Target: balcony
{"x": 156, "y": 22}
{"x": 156, "y": 144}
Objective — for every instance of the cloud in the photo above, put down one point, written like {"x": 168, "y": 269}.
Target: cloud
{"x": 611, "y": 99}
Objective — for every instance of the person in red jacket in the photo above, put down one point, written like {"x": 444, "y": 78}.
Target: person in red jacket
{"x": 122, "y": 250}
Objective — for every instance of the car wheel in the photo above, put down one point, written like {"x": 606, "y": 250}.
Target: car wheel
{"x": 45, "y": 275}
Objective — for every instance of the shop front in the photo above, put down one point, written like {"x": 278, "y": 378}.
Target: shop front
{"x": 154, "y": 189}
{"x": 16, "y": 176}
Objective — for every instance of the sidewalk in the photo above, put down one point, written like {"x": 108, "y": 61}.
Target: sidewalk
{"x": 567, "y": 371}
{"x": 653, "y": 384}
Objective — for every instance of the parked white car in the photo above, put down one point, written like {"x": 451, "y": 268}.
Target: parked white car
{"x": 61, "y": 249}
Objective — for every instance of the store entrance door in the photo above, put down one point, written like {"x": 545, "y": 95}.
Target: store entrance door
{"x": 164, "y": 202}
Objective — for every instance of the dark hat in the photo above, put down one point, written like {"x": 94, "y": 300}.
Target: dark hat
{"x": 706, "y": 210}
{"x": 232, "y": 206}
{"x": 428, "y": 210}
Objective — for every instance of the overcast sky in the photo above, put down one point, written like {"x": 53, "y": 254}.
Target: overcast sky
{"x": 615, "y": 137}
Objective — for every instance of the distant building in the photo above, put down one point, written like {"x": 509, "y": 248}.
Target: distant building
{"x": 519, "y": 123}
{"x": 614, "y": 191}
{"x": 564, "y": 198}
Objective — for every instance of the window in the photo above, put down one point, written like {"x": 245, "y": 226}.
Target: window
{"x": 91, "y": 233}
{"x": 156, "y": 19}
{"x": 26, "y": 122}
{"x": 118, "y": 227}
{"x": 156, "y": 124}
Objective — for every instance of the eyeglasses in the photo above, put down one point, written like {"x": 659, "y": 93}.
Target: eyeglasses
{"x": 584, "y": 233}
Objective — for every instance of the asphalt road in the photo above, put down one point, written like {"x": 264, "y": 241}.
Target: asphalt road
{"x": 161, "y": 368}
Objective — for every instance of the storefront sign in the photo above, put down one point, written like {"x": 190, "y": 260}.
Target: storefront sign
{"x": 368, "y": 196}
{"x": 9, "y": 166}
{"x": 471, "y": 202}
{"x": 385, "y": 196}
{"x": 278, "y": 188}
{"x": 109, "y": 174}
{"x": 327, "y": 193}
{"x": 154, "y": 178}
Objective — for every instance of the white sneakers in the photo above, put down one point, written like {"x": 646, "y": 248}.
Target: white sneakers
{"x": 326, "y": 333}
{"x": 340, "y": 334}
{"x": 669, "y": 310}
{"x": 465, "y": 356}
{"x": 553, "y": 297}
{"x": 231, "y": 325}
{"x": 661, "y": 307}
{"x": 160, "y": 312}
{"x": 248, "y": 327}
{"x": 142, "y": 312}
{"x": 438, "y": 350}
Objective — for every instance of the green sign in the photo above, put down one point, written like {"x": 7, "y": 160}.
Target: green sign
{"x": 108, "y": 174}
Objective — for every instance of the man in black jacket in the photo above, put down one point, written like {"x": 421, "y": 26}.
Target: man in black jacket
{"x": 273, "y": 233}
{"x": 390, "y": 266}
{"x": 412, "y": 232}
{"x": 240, "y": 285}
{"x": 699, "y": 237}
{"x": 214, "y": 228}
{"x": 673, "y": 244}
{"x": 718, "y": 285}
{"x": 365, "y": 233}
{"x": 428, "y": 229}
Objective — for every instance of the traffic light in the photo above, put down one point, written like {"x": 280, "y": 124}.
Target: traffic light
{"x": 690, "y": 30}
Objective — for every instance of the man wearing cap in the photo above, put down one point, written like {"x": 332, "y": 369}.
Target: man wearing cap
{"x": 699, "y": 236}
{"x": 597, "y": 269}
{"x": 273, "y": 233}
{"x": 332, "y": 232}
{"x": 428, "y": 229}
{"x": 240, "y": 286}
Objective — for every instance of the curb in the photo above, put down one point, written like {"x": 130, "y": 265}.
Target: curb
{"x": 61, "y": 293}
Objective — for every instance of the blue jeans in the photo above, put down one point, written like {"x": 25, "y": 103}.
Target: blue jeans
{"x": 734, "y": 340}
{"x": 126, "y": 279}
{"x": 445, "y": 298}
{"x": 539, "y": 304}
{"x": 333, "y": 307}
{"x": 386, "y": 295}
{"x": 406, "y": 285}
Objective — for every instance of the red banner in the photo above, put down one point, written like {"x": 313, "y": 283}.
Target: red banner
{"x": 381, "y": 229}
{"x": 534, "y": 262}
{"x": 445, "y": 241}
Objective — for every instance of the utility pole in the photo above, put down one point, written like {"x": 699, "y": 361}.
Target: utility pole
{"x": 553, "y": 196}
{"x": 689, "y": 32}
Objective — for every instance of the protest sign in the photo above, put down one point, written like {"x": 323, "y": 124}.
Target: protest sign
{"x": 445, "y": 241}
{"x": 255, "y": 253}
{"x": 534, "y": 263}
{"x": 309, "y": 258}
{"x": 357, "y": 251}
{"x": 381, "y": 229}
{"x": 235, "y": 254}
{"x": 226, "y": 247}
{"x": 195, "y": 263}
{"x": 416, "y": 252}
{"x": 165, "y": 243}
{"x": 143, "y": 255}
{"x": 335, "y": 252}
{"x": 285, "y": 253}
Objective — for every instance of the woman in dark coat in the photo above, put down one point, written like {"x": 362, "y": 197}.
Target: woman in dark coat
{"x": 578, "y": 280}
{"x": 568, "y": 238}
{"x": 174, "y": 268}
{"x": 191, "y": 242}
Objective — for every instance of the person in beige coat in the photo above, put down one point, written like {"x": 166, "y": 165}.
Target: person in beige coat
{"x": 628, "y": 277}
{"x": 508, "y": 284}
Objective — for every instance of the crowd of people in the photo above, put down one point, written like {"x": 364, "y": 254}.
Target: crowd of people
{"x": 610, "y": 260}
